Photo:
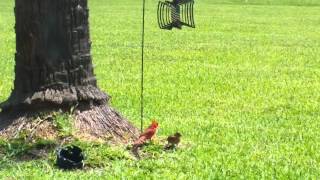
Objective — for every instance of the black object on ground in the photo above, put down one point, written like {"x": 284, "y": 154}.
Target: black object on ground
{"x": 70, "y": 157}
{"x": 175, "y": 14}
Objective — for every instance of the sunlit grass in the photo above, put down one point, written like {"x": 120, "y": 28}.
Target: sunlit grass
{"x": 242, "y": 88}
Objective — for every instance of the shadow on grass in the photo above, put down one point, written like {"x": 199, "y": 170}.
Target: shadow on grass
{"x": 21, "y": 150}
{"x": 97, "y": 155}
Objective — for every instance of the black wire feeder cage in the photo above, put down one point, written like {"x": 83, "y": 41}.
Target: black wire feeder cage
{"x": 175, "y": 14}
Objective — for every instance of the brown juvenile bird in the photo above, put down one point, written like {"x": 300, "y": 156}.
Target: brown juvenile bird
{"x": 173, "y": 141}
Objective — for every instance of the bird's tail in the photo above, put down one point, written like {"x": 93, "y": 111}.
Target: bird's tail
{"x": 135, "y": 151}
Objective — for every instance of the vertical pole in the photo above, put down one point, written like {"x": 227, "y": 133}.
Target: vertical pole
{"x": 142, "y": 66}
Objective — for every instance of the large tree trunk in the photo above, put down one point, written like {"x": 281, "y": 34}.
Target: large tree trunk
{"x": 54, "y": 66}
{"x": 53, "y": 61}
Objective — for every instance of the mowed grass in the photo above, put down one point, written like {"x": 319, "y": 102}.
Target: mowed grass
{"x": 242, "y": 88}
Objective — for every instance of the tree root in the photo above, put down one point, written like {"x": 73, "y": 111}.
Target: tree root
{"x": 90, "y": 123}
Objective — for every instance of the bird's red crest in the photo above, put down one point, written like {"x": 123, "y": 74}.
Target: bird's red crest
{"x": 154, "y": 124}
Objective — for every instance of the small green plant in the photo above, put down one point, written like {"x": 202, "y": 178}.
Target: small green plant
{"x": 64, "y": 124}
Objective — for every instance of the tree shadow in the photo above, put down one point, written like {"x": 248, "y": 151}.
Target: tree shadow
{"x": 8, "y": 118}
{"x": 20, "y": 150}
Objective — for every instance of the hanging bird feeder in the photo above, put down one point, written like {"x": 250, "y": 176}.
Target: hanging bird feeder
{"x": 175, "y": 14}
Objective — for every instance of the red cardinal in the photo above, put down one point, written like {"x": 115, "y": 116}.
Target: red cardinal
{"x": 144, "y": 137}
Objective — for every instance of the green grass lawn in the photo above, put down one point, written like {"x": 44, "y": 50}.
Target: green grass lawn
{"x": 243, "y": 88}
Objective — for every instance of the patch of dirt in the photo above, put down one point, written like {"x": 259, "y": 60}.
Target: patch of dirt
{"x": 97, "y": 123}
{"x": 47, "y": 130}
{"x": 41, "y": 152}
{"x": 31, "y": 128}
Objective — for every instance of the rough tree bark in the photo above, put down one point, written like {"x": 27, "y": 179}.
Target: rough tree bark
{"x": 54, "y": 68}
